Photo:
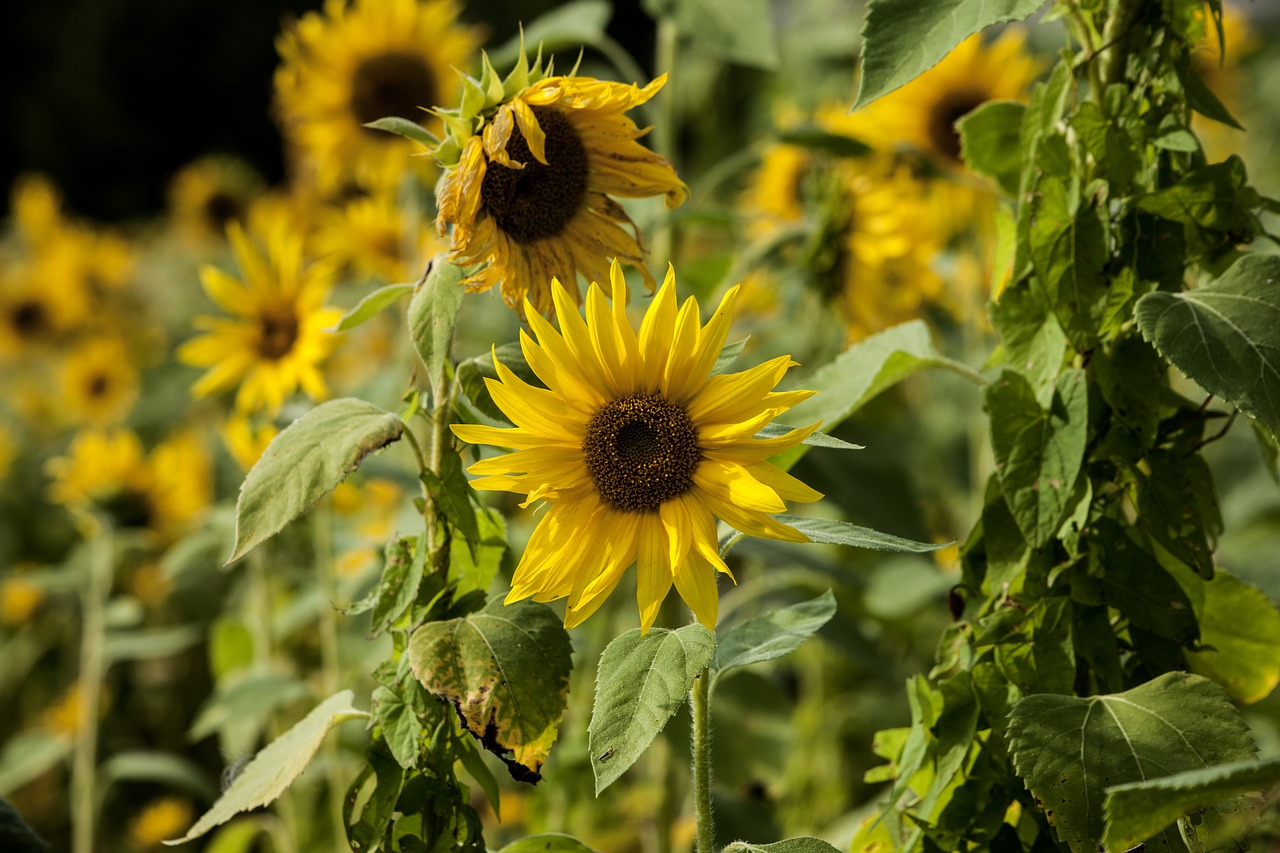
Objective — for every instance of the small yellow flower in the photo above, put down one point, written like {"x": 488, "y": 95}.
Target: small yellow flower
{"x": 637, "y": 449}
{"x": 277, "y": 339}
{"x": 99, "y": 382}
{"x": 208, "y": 194}
{"x": 161, "y": 819}
{"x": 19, "y": 598}
{"x": 359, "y": 62}
{"x": 531, "y": 195}
{"x": 65, "y": 717}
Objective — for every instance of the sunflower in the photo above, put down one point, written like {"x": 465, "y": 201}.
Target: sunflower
{"x": 209, "y": 193}
{"x": 277, "y": 340}
{"x": 359, "y": 62}
{"x": 39, "y": 306}
{"x": 530, "y": 195}
{"x": 637, "y": 449}
{"x": 246, "y": 439}
{"x": 108, "y": 473}
{"x": 99, "y": 382}
{"x": 370, "y": 236}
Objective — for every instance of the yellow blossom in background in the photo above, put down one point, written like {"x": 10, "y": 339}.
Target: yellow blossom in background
{"x": 39, "y": 308}
{"x": 371, "y": 508}
{"x": 19, "y": 598}
{"x": 358, "y": 62}
{"x": 160, "y": 819}
{"x": 208, "y": 194}
{"x": 109, "y": 472}
{"x": 276, "y": 340}
{"x": 372, "y": 237}
{"x": 1223, "y": 75}
{"x": 66, "y": 716}
{"x": 36, "y": 207}
{"x": 246, "y": 439}
{"x": 99, "y": 383}
{"x": 530, "y": 198}
{"x": 637, "y": 449}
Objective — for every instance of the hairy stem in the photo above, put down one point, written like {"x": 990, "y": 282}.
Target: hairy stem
{"x": 700, "y": 702}
{"x": 93, "y": 666}
{"x": 331, "y": 668}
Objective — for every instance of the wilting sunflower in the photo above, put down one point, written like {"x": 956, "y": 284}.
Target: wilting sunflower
{"x": 529, "y": 195}
{"x": 362, "y": 61}
{"x": 110, "y": 474}
{"x": 637, "y": 449}
{"x": 206, "y": 195}
{"x": 99, "y": 382}
{"x": 277, "y": 339}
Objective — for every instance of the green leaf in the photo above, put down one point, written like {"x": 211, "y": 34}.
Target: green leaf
{"x": 410, "y": 130}
{"x": 404, "y": 563}
{"x": 739, "y": 31}
{"x": 473, "y": 372}
{"x": 506, "y": 671}
{"x": 371, "y": 305}
{"x": 1033, "y": 341}
{"x": 547, "y": 842}
{"x": 1038, "y": 452}
{"x": 1069, "y": 251}
{"x": 861, "y": 372}
{"x": 903, "y": 38}
{"x": 27, "y": 755}
{"x": 1202, "y": 99}
{"x": 820, "y": 139}
{"x": 280, "y": 762}
{"x": 432, "y": 314}
{"x": 728, "y": 355}
{"x": 990, "y": 142}
{"x": 304, "y": 463}
{"x": 1226, "y": 335}
{"x": 828, "y": 531}
{"x": 1134, "y": 583}
{"x": 816, "y": 439}
{"x": 150, "y": 643}
{"x": 641, "y": 682}
{"x": 15, "y": 835}
{"x": 568, "y": 26}
{"x": 474, "y": 568}
{"x": 1137, "y": 811}
{"x": 773, "y": 635}
{"x": 452, "y": 494}
{"x": 1069, "y": 750}
{"x": 803, "y": 844}
{"x": 1215, "y": 204}
{"x": 162, "y": 768}
{"x": 1239, "y": 634}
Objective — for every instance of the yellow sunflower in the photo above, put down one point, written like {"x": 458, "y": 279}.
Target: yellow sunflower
{"x": 110, "y": 474}
{"x": 277, "y": 339}
{"x": 637, "y": 449}
{"x": 206, "y": 195}
{"x": 362, "y": 61}
{"x": 99, "y": 382}
{"x": 371, "y": 237}
{"x": 530, "y": 197}
{"x": 246, "y": 439}
{"x": 39, "y": 306}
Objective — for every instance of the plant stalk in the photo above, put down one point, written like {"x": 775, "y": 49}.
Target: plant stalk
{"x": 700, "y": 702}
{"x": 664, "y": 142}
{"x": 331, "y": 668}
{"x": 93, "y": 666}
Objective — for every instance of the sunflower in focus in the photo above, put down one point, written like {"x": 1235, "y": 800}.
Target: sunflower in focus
{"x": 99, "y": 382}
{"x": 208, "y": 194}
{"x": 359, "y": 62}
{"x": 530, "y": 179}
{"x": 638, "y": 450}
{"x": 276, "y": 339}
{"x": 108, "y": 473}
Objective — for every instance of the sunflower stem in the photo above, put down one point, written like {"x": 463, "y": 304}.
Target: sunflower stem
{"x": 331, "y": 672}
{"x": 1115, "y": 44}
{"x": 665, "y": 135}
{"x": 700, "y": 703}
{"x": 93, "y": 665}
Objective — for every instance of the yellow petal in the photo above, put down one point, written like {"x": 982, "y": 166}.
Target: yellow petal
{"x": 732, "y": 482}
{"x": 696, "y": 582}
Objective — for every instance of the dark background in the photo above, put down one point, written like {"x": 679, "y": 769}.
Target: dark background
{"x": 110, "y": 97}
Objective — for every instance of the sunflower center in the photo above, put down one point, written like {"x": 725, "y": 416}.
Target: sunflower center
{"x": 29, "y": 318}
{"x": 392, "y": 84}
{"x": 538, "y": 201}
{"x": 129, "y": 508}
{"x": 641, "y": 451}
{"x": 97, "y": 386}
{"x": 219, "y": 209}
{"x": 277, "y": 332}
{"x": 941, "y": 126}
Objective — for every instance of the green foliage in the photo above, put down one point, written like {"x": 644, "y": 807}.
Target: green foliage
{"x": 805, "y": 844}
{"x": 547, "y": 842}
{"x": 1239, "y": 634}
{"x": 771, "y": 635}
{"x": 1069, "y": 749}
{"x": 432, "y": 314}
{"x": 305, "y": 462}
{"x": 990, "y": 142}
{"x": 376, "y": 302}
{"x": 740, "y": 31}
{"x": 831, "y": 532}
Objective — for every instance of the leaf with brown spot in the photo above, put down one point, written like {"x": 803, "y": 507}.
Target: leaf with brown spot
{"x": 505, "y": 669}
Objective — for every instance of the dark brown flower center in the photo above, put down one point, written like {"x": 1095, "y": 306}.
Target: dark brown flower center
{"x": 277, "y": 333}
{"x": 941, "y": 126}
{"x": 538, "y": 201}
{"x": 129, "y": 508}
{"x": 29, "y": 318}
{"x": 219, "y": 209}
{"x": 392, "y": 84}
{"x": 97, "y": 386}
{"x": 641, "y": 451}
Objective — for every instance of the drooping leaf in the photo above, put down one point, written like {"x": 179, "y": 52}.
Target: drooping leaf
{"x": 1136, "y": 811}
{"x": 547, "y": 842}
{"x": 277, "y": 765}
{"x": 1214, "y": 203}
{"x": 740, "y": 31}
{"x": 305, "y": 462}
{"x": 1239, "y": 632}
{"x": 432, "y": 314}
{"x": 1038, "y": 452}
{"x": 816, "y": 439}
{"x": 410, "y": 130}
{"x": 1135, "y": 584}
{"x": 904, "y": 38}
{"x": 828, "y": 531}
{"x": 641, "y": 682}
{"x": 1203, "y": 100}
{"x": 1069, "y": 750}
{"x": 863, "y": 371}
{"x": 506, "y": 671}
{"x": 1225, "y": 335}
{"x": 989, "y": 142}
{"x": 772, "y": 635}
{"x": 803, "y": 844}
{"x": 372, "y": 304}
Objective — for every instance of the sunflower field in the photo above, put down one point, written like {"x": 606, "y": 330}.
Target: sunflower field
{"x": 760, "y": 426}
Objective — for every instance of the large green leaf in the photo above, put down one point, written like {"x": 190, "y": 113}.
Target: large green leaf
{"x": 432, "y": 314}
{"x": 1215, "y": 204}
{"x": 772, "y": 635}
{"x": 641, "y": 682}
{"x": 1239, "y": 635}
{"x": 989, "y": 142}
{"x": 740, "y": 31}
{"x": 828, "y": 531}
{"x": 861, "y": 372}
{"x": 1136, "y": 811}
{"x": 506, "y": 671}
{"x": 280, "y": 762}
{"x": 1225, "y": 335}
{"x": 1069, "y": 750}
{"x": 1038, "y": 452}
{"x": 305, "y": 462}
{"x": 803, "y": 844}
{"x": 903, "y": 38}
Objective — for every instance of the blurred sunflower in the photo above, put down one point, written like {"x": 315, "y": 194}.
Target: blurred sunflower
{"x": 246, "y": 439}
{"x": 162, "y": 818}
{"x": 370, "y": 236}
{"x": 637, "y": 449}
{"x": 362, "y": 61}
{"x": 39, "y": 307}
{"x": 109, "y": 473}
{"x": 209, "y": 193}
{"x": 530, "y": 195}
{"x": 99, "y": 383}
{"x": 277, "y": 339}
{"x": 19, "y": 598}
